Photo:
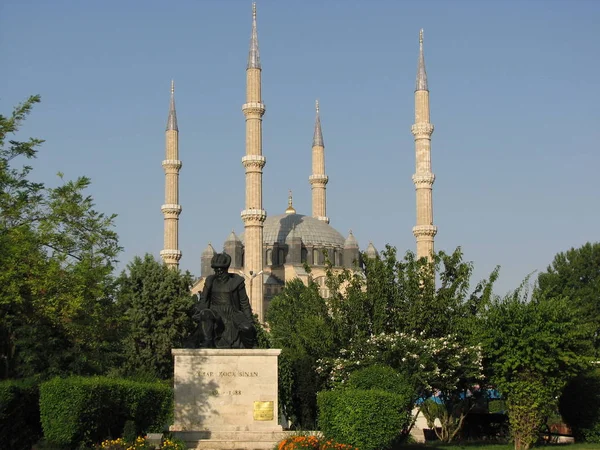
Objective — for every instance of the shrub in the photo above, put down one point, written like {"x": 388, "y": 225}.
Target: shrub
{"x": 19, "y": 414}
{"x": 79, "y": 410}
{"x": 497, "y": 406}
{"x": 383, "y": 378}
{"x": 580, "y": 406}
{"x": 311, "y": 442}
{"x": 298, "y": 442}
{"x": 138, "y": 443}
{"x": 367, "y": 419}
{"x": 170, "y": 443}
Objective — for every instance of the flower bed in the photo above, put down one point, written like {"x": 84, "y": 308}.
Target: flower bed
{"x": 311, "y": 442}
{"x": 140, "y": 443}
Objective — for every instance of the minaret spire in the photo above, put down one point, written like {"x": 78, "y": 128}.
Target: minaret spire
{"x": 171, "y": 209}
{"x": 423, "y": 178}
{"x": 421, "y": 73}
{"x": 172, "y": 120}
{"x": 318, "y": 180}
{"x": 318, "y": 136}
{"x": 253, "y": 54}
{"x": 254, "y": 215}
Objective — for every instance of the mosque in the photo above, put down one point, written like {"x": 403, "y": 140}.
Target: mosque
{"x": 276, "y": 249}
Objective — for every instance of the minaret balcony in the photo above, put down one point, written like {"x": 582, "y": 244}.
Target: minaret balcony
{"x": 253, "y": 216}
{"x": 423, "y": 180}
{"x": 254, "y": 161}
{"x": 254, "y": 108}
{"x": 318, "y": 179}
{"x": 170, "y": 256}
{"x": 424, "y": 230}
{"x": 422, "y": 130}
{"x": 172, "y": 164}
{"x": 171, "y": 211}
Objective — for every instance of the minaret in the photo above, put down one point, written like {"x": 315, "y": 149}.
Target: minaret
{"x": 423, "y": 178}
{"x": 254, "y": 215}
{"x": 171, "y": 209}
{"x": 318, "y": 179}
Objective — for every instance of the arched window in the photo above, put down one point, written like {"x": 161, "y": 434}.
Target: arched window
{"x": 303, "y": 255}
{"x": 323, "y": 289}
{"x": 316, "y": 261}
{"x": 269, "y": 257}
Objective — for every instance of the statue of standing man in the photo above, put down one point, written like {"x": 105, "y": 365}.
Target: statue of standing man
{"x": 224, "y": 309}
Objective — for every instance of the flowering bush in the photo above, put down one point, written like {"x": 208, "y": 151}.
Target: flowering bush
{"x": 440, "y": 364}
{"x": 173, "y": 444}
{"x": 442, "y": 367}
{"x": 332, "y": 445}
{"x": 295, "y": 442}
{"x": 311, "y": 442}
{"x": 140, "y": 443}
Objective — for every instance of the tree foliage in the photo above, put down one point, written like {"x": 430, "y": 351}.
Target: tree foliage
{"x": 394, "y": 313}
{"x": 157, "y": 307}
{"x": 575, "y": 275}
{"x": 57, "y": 254}
{"x": 533, "y": 347}
{"x": 301, "y": 326}
{"x": 411, "y": 295}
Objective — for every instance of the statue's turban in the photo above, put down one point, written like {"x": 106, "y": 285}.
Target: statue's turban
{"x": 220, "y": 261}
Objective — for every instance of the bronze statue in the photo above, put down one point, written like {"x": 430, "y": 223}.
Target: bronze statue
{"x": 224, "y": 310}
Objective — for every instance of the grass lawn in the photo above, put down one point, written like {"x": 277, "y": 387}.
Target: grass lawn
{"x": 497, "y": 447}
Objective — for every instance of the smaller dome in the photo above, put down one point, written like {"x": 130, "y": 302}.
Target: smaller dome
{"x": 371, "y": 251}
{"x": 209, "y": 251}
{"x": 232, "y": 237}
{"x": 351, "y": 241}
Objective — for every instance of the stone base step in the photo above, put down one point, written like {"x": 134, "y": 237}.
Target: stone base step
{"x": 232, "y": 440}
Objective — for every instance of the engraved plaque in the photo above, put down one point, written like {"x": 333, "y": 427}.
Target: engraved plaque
{"x": 263, "y": 410}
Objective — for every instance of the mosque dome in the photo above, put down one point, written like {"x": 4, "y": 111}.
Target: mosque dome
{"x": 280, "y": 229}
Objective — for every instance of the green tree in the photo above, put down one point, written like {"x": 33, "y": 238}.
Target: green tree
{"x": 157, "y": 307}
{"x": 410, "y": 295}
{"x": 532, "y": 347}
{"x": 301, "y": 326}
{"x": 56, "y": 259}
{"x": 393, "y": 310}
{"x": 575, "y": 275}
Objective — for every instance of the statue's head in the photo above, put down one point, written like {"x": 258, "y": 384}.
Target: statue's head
{"x": 220, "y": 262}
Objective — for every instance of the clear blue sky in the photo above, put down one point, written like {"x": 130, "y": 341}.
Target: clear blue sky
{"x": 515, "y": 98}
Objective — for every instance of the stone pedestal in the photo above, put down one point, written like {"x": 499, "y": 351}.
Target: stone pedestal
{"x": 226, "y": 398}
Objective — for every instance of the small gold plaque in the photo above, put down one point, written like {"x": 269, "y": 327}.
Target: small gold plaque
{"x": 263, "y": 410}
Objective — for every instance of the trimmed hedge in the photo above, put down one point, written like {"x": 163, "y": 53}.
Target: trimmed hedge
{"x": 367, "y": 419}
{"x": 20, "y": 424}
{"x": 383, "y": 378}
{"x": 80, "y": 410}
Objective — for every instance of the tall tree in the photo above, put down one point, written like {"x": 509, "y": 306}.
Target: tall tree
{"x": 409, "y": 295}
{"x": 532, "y": 347}
{"x": 395, "y": 309}
{"x": 575, "y": 275}
{"x": 157, "y": 307}
{"x": 301, "y": 326}
{"x": 56, "y": 260}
